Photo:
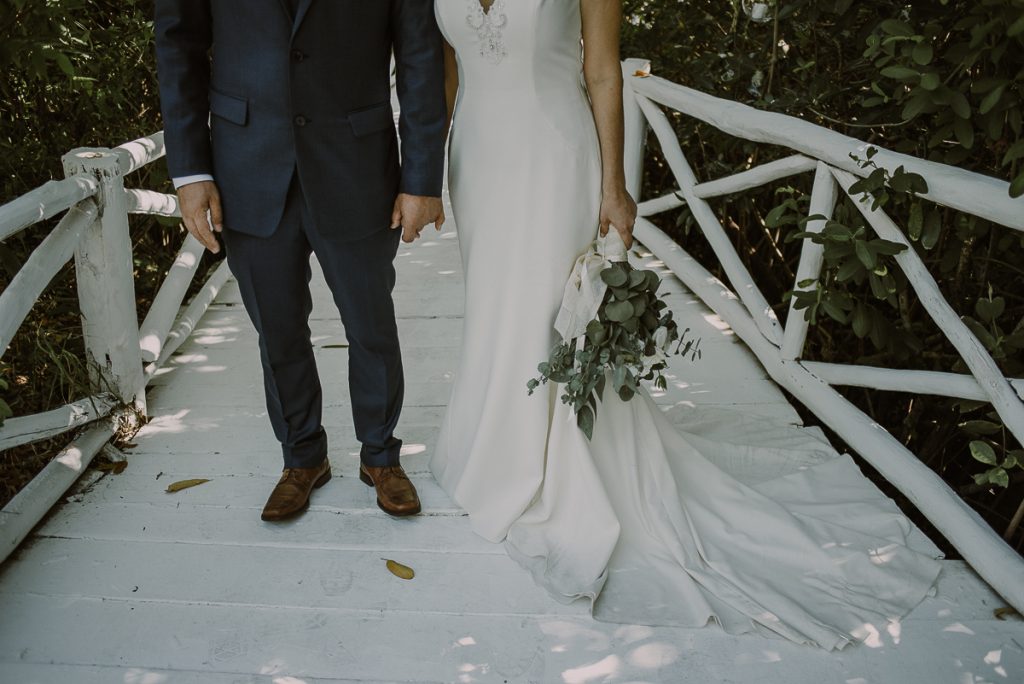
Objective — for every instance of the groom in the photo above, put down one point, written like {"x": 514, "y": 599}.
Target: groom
{"x": 281, "y": 143}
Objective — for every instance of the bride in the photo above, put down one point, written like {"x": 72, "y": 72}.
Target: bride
{"x": 652, "y": 523}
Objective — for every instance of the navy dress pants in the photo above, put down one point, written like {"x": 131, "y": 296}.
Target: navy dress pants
{"x": 273, "y": 275}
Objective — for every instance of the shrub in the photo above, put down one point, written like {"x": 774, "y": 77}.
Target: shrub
{"x": 942, "y": 80}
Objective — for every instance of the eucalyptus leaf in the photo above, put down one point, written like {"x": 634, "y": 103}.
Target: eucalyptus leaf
{"x": 619, "y": 311}
{"x": 653, "y": 281}
{"x": 615, "y": 275}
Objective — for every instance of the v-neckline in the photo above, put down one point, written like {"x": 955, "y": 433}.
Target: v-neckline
{"x": 486, "y": 9}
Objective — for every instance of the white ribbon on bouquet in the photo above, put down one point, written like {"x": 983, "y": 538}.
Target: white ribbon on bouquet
{"x": 585, "y": 289}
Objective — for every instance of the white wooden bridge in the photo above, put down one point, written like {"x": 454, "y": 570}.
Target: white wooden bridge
{"x": 124, "y": 582}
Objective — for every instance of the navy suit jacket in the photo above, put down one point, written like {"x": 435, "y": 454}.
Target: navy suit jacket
{"x": 249, "y": 92}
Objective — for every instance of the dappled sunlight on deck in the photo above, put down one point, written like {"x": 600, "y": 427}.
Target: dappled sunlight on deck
{"x": 128, "y": 583}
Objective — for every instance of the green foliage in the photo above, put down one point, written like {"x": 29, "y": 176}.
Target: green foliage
{"x": 73, "y": 73}
{"x": 5, "y": 410}
{"x": 942, "y": 80}
{"x": 629, "y": 341}
{"x": 955, "y": 66}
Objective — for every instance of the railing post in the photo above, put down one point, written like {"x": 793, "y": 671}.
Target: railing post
{"x": 635, "y": 129}
{"x": 823, "y": 202}
{"x": 106, "y": 283}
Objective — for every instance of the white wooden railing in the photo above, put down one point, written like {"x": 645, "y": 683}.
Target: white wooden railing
{"x": 121, "y": 355}
{"x": 779, "y": 347}
{"x": 124, "y": 355}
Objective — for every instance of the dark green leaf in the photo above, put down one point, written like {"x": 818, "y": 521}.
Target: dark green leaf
{"x": 964, "y": 131}
{"x": 916, "y": 222}
{"x": 960, "y": 105}
{"x": 866, "y": 256}
{"x": 929, "y": 81}
{"x": 585, "y": 421}
{"x": 848, "y": 269}
{"x": 1016, "y": 28}
{"x": 877, "y": 286}
{"x": 1017, "y": 186}
{"x": 932, "y": 228}
{"x": 1015, "y": 152}
{"x": 619, "y": 311}
{"x": 774, "y": 216}
{"x": 981, "y": 427}
{"x": 833, "y": 311}
{"x": 999, "y": 476}
{"x": 895, "y": 27}
{"x": 901, "y": 73}
{"x": 990, "y": 309}
{"x": 923, "y": 53}
{"x": 861, "y": 321}
{"x": 615, "y": 275}
{"x": 991, "y": 100}
{"x": 653, "y": 281}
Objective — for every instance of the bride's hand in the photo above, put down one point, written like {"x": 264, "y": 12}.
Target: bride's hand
{"x": 618, "y": 209}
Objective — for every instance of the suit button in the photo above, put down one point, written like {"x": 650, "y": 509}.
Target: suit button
{"x": 298, "y": 55}
{"x": 301, "y": 120}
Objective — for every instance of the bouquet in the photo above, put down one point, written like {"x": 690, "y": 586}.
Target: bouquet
{"x": 614, "y": 328}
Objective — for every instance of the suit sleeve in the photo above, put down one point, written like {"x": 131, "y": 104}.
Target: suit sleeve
{"x": 419, "y": 60}
{"x": 184, "y": 36}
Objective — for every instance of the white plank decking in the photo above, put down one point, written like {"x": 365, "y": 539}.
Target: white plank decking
{"x": 126, "y": 583}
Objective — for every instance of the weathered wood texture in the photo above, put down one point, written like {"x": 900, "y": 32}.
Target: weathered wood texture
{"x": 105, "y": 276}
{"x": 127, "y": 583}
{"x": 42, "y": 265}
{"x": 187, "y": 320}
{"x": 25, "y": 429}
{"x": 22, "y": 512}
{"x": 152, "y": 202}
{"x": 44, "y": 202}
{"x": 941, "y": 384}
{"x": 739, "y": 276}
{"x": 949, "y": 186}
{"x": 153, "y": 330}
{"x": 132, "y": 156}
{"x": 823, "y": 201}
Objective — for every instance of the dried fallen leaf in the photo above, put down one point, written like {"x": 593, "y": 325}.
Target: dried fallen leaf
{"x": 116, "y": 467}
{"x": 399, "y": 570}
{"x": 1005, "y": 612}
{"x": 183, "y": 484}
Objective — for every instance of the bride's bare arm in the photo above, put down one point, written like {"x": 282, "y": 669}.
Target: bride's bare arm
{"x": 451, "y": 80}
{"x": 602, "y": 21}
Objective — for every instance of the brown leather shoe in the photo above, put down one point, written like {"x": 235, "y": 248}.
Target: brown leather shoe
{"x": 395, "y": 493}
{"x": 291, "y": 494}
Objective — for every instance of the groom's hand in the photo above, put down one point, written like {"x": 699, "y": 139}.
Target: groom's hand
{"x": 412, "y": 213}
{"x": 200, "y": 208}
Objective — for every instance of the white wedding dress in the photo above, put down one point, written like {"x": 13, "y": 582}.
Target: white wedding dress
{"x": 718, "y": 518}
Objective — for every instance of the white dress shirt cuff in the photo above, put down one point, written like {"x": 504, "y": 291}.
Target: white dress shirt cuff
{"x": 185, "y": 180}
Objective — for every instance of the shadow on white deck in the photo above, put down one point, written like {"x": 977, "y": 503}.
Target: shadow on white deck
{"x": 126, "y": 583}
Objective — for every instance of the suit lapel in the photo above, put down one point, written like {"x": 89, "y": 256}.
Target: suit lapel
{"x": 300, "y": 14}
